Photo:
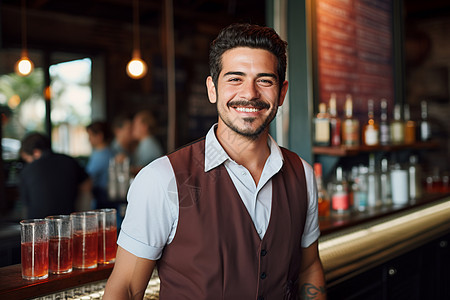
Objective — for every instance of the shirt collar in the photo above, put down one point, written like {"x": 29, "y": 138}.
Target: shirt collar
{"x": 215, "y": 155}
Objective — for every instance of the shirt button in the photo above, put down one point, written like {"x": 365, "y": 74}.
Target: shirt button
{"x": 263, "y": 275}
{"x": 263, "y": 252}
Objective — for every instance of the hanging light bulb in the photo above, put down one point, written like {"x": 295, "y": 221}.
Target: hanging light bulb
{"x": 24, "y": 66}
{"x": 136, "y": 67}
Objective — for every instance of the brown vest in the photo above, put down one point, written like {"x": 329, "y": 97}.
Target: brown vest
{"x": 216, "y": 252}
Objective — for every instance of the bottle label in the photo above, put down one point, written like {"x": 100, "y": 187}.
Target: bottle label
{"x": 340, "y": 201}
{"x": 322, "y": 134}
{"x": 397, "y": 132}
{"x": 350, "y": 132}
{"x": 371, "y": 136}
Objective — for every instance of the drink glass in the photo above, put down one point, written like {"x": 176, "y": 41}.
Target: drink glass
{"x": 84, "y": 239}
{"x": 60, "y": 244}
{"x": 34, "y": 248}
{"x": 107, "y": 235}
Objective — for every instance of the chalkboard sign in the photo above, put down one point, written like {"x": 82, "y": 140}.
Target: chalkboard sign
{"x": 353, "y": 42}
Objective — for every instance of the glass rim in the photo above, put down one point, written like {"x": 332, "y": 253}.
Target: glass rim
{"x": 105, "y": 210}
{"x": 57, "y": 217}
{"x": 33, "y": 221}
{"x": 83, "y": 213}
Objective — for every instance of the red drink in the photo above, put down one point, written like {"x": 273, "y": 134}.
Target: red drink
{"x": 107, "y": 246}
{"x": 85, "y": 248}
{"x": 34, "y": 260}
{"x": 60, "y": 255}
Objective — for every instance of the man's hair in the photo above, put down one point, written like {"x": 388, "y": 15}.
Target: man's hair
{"x": 35, "y": 141}
{"x": 98, "y": 127}
{"x": 251, "y": 36}
{"x": 120, "y": 120}
{"x": 148, "y": 119}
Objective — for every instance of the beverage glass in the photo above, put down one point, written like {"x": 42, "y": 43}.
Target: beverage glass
{"x": 84, "y": 239}
{"x": 34, "y": 248}
{"x": 60, "y": 244}
{"x": 107, "y": 235}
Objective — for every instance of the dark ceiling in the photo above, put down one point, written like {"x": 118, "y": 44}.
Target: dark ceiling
{"x": 105, "y": 24}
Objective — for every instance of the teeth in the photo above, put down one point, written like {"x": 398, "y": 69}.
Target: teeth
{"x": 247, "y": 109}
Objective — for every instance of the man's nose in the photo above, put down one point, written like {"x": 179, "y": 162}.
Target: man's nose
{"x": 249, "y": 91}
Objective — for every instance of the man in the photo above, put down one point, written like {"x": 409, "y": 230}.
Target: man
{"x": 123, "y": 143}
{"x": 231, "y": 216}
{"x": 148, "y": 148}
{"x": 51, "y": 183}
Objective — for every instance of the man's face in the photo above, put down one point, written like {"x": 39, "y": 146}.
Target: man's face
{"x": 138, "y": 128}
{"x": 248, "y": 91}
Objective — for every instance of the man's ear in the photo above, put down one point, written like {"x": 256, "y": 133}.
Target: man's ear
{"x": 283, "y": 92}
{"x": 211, "y": 88}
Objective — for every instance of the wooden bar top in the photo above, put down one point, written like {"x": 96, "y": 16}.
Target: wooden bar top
{"x": 12, "y": 286}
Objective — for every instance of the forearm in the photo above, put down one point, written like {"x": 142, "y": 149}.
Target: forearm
{"x": 311, "y": 277}
{"x": 312, "y": 283}
{"x": 129, "y": 278}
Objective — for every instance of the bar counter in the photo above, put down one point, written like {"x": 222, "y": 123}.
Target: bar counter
{"x": 348, "y": 245}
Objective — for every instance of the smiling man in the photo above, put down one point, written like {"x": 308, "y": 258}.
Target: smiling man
{"x": 233, "y": 215}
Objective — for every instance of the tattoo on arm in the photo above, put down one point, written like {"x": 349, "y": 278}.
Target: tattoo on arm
{"x": 310, "y": 291}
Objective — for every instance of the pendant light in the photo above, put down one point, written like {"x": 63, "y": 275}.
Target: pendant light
{"x": 136, "y": 67}
{"x": 24, "y": 66}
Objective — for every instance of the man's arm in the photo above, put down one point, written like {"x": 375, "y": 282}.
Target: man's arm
{"x": 130, "y": 276}
{"x": 311, "y": 279}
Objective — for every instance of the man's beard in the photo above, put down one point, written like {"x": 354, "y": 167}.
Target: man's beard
{"x": 249, "y": 133}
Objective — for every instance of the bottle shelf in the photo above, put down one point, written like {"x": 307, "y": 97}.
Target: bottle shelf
{"x": 355, "y": 150}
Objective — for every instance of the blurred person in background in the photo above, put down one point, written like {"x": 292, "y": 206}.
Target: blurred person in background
{"x": 98, "y": 163}
{"x": 51, "y": 183}
{"x": 123, "y": 143}
{"x": 148, "y": 148}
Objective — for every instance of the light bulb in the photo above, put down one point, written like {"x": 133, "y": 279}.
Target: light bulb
{"x": 24, "y": 66}
{"x": 136, "y": 68}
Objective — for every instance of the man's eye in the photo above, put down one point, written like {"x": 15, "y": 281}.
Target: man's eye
{"x": 266, "y": 82}
{"x": 234, "y": 79}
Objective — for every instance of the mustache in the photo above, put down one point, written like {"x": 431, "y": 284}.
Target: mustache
{"x": 254, "y": 103}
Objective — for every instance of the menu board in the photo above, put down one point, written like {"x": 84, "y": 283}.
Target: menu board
{"x": 354, "y": 48}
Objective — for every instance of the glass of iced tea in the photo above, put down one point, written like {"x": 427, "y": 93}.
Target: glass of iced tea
{"x": 60, "y": 244}
{"x": 34, "y": 248}
{"x": 107, "y": 235}
{"x": 84, "y": 239}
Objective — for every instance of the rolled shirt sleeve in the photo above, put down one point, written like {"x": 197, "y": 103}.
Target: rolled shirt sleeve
{"x": 152, "y": 211}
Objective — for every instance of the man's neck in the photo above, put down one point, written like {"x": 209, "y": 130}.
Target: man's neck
{"x": 250, "y": 153}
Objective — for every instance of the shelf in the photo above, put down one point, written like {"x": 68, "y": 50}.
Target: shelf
{"x": 355, "y": 150}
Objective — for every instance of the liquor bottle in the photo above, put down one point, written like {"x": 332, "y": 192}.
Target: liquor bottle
{"x": 359, "y": 189}
{"x": 335, "y": 122}
{"x": 410, "y": 126}
{"x": 322, "y": 127}
{"x": 350, "y": 125}
{"x": 373, "y": 183}
{"x": 385, "y": 133}
{"x": 415, "y": 178}
{"x": 425, "y": 128}
{"x": 371, "y": 130}
{"x": 397, "y": 127}
{"x": 399, "y": 184}
{"x": 340, "y": 203}
{"x": 385, "y": 183}
{"x": 322, "y": 194}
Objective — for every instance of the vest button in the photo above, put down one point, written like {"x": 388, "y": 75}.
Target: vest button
{"x": 263, "y": 275}
{"x": 263, "y": 252}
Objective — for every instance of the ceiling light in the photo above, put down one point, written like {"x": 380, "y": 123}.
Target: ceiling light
{"x": 136, "y": 68}
{"x": 24, "y": 65}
